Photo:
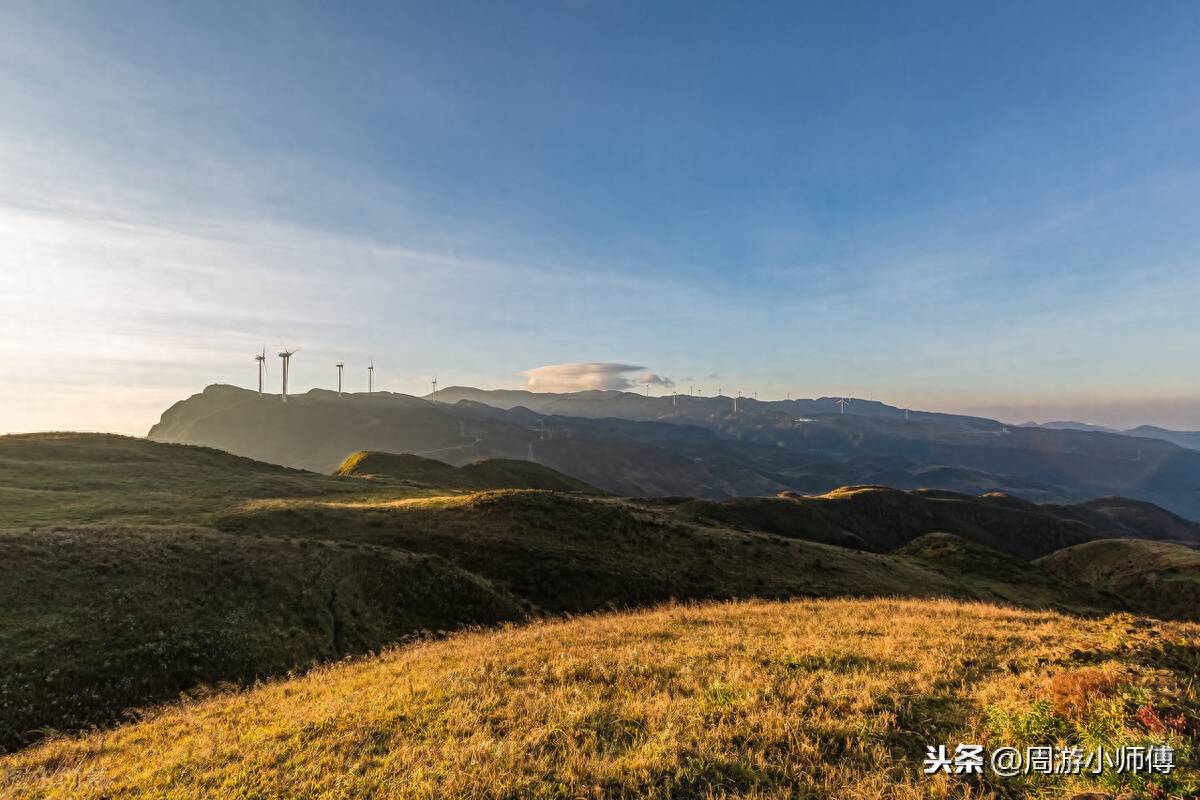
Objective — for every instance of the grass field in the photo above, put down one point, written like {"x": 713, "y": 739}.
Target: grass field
{"x": 79, "y": 478}
{"x": 802, "y": 699}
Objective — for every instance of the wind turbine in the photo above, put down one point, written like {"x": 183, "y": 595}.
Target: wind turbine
{"x": 371, "y": 377}
{"x": 340, "y": 366}
{"x": 843, "y": 402}
{"x": 286, "y": 355}
{"x": 261, "y": 358}
{"x": 435, "y": 384}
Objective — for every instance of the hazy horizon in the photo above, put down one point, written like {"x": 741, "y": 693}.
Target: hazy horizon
{"x": 983, "y": 209}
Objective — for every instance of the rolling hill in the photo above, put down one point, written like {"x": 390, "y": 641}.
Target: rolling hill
{"x": 829, "y": 699}
{"x": 95, "y": 621}
{"x": 144, "y": 569}
{"x": 488, "y": 473}
{"x": 1160, "y": 578}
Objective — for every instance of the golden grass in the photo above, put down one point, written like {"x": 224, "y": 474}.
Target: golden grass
{"x": 802, "y": 699}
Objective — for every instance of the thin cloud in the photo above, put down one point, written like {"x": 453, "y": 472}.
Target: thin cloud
{"x": 654, "y": 379}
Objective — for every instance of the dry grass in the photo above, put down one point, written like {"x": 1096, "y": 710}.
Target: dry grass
{"x": 803, "y": 699}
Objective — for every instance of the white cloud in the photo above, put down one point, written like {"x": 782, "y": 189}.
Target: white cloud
{"x": 590, "y": 375}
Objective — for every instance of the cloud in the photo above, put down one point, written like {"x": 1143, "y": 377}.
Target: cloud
{"x": 591, "y": 375}
{"x": 654, "y": 379}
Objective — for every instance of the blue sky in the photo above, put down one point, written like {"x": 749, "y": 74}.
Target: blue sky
{"x": 955, "y": 206}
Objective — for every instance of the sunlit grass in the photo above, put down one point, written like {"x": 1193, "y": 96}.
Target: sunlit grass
{"x": 831, "y": 698}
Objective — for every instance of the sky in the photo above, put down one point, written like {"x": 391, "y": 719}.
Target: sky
{"x": 981, "y": 207}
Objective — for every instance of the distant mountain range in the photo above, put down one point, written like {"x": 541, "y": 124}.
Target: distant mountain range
{"x": 1188, "y": 439}
{"x": 634, "y": 445}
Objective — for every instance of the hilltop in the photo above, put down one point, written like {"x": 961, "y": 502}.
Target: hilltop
{"x": 488, "y": 473}
{"x": 833, "y": 699}
{"x": 1160, "y": 578}
{"x": 85, "y": 478}
{"x": 633, "y": 445}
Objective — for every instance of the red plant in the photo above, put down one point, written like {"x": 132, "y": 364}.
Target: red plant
{"x": 1155, "y": 723}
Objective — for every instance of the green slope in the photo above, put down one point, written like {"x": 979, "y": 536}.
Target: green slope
{"x": 1160, "y": 578}
{"x": 488, "y": 473}
{"x": 95, "y": 621}
{"x": 882, "y": 519}
{"x": 74, "y": 478}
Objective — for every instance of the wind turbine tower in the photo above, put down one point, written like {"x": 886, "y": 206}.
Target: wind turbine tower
{"x": 435, "y": 384}
{"x": 371, "y": 378}
{"x": 286, "y": 355}
{"x": 261, "y": 358}
{"x": 340, "y": 366}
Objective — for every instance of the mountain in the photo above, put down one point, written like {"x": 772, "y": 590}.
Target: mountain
{"x": 1186, "y": 439}
{"x": 830, "y": 699}
{"x": 629, "y": 444}
{"x": 1071, "y": 425}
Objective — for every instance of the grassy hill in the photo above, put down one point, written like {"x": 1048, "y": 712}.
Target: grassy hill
{"x": 882, "y": 519}
{"x": 85, "y": 478}
{"x": 570, "y": 553}
{"x": 1161, "y": 578}
{"x": 995, "y": 575}
{"x": 1120, "y": 517}
{"x": 489, "y": 473}
{"x": 814, "y": 699}
{"x": 94, "y": 621}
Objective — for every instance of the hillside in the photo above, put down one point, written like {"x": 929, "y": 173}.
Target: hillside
{"x": 633, "y": 445}
{"x": 1159, "y": 578}
{"x": 488, "y": 473}
{"x": 1120, "y": 517}
{"x": 995, "y": 574}
{"x": 823, "y": 699}
{"x": 85, "y": 478}
{"x": 94, "y": 621}
{"x": 567, "y": 553}
{"x": 881, "y": 519}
